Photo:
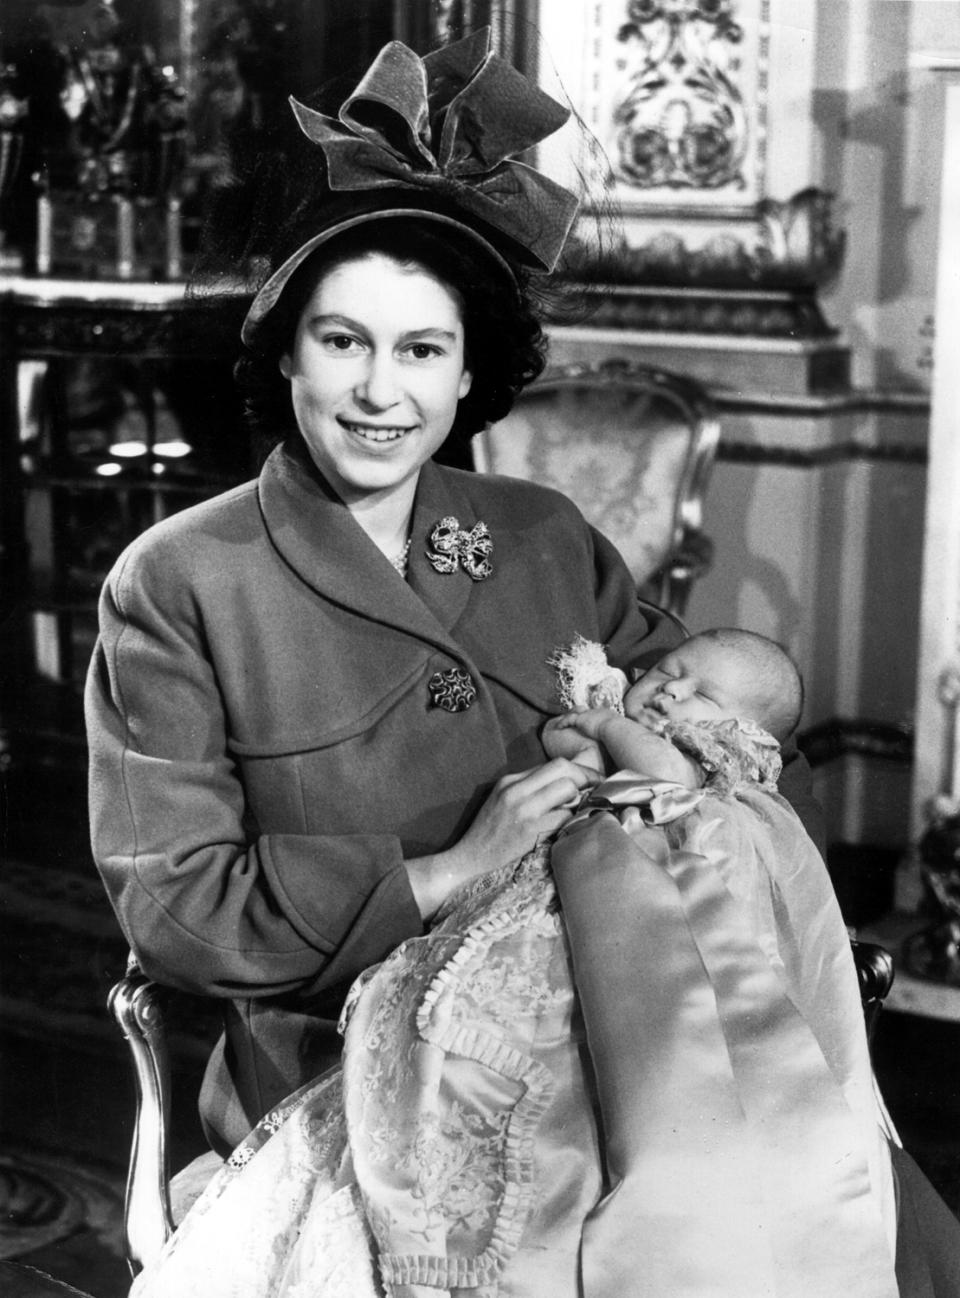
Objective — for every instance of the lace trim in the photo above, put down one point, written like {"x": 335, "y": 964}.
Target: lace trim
{"x": 585, "y": 678}
{"x": 436, "y": 1026}
{"x": 327, "y": 1086}
{"x": 734, "y": 753}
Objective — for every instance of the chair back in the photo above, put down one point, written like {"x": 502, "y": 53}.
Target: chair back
{"x": 633, "y": 447}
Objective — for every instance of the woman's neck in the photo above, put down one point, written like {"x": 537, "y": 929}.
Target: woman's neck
{"x": 386, "y": 518}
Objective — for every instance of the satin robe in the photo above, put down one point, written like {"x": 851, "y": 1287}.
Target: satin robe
{"x": 723, "y": 1140}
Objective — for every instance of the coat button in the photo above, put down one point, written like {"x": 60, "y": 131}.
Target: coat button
{"x": 452, "y": 690}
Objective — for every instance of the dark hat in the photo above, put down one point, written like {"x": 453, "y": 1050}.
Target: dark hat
{"x": 431, "y": 138}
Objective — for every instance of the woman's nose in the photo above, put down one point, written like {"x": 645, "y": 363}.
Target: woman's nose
{"x": 378, "y": 387}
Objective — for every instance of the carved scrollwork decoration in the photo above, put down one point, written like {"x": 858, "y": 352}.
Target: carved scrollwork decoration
{"x": 682, "y": 122}
{"x": 785, "y": 245}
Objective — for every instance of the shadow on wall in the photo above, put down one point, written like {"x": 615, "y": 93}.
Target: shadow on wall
{"x": 879, "y": 152}
{"x": 743, "y": 588}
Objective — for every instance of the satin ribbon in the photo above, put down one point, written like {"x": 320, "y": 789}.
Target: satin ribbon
{"x": 657, "y": 801}
{"x": 446, "y": 125}
{"x": 737, "y": 1166}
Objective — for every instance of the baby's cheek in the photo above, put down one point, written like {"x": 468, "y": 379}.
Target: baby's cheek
{"x": 635, "y": 701}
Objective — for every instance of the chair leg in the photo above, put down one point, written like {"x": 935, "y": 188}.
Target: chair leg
{"x": 135, "y": 1003}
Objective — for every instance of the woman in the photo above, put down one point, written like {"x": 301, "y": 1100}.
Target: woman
{"x": 315, "y": 704}
{"x": 296, "y": 749}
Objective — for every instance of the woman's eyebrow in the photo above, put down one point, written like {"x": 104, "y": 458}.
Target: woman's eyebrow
{"x": 432, "y": 331}
{"x": 335, "y": 318}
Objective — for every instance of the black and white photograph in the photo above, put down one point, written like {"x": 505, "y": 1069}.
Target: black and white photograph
{"x": 480, "y": 649}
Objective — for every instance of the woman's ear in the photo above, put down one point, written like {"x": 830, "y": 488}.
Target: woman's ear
{"x": 286, "y": 367}
{"x": 466, "y": 383}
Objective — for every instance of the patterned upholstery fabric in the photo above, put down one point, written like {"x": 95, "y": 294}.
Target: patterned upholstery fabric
{"x": 632, "y": 447}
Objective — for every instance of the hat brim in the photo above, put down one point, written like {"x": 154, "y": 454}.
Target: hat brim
{"x": 268, "y": 296}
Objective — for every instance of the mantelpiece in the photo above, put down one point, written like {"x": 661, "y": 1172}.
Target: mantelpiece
{"x": 747, "y": 364}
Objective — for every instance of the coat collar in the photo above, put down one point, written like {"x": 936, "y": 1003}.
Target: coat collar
{"x": 319, "y": 538}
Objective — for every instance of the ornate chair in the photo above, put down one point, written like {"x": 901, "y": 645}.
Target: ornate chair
{"x": 151, "y": 1212}
{"x": 136, "y": 1004}
{"x": 633, "y": 446}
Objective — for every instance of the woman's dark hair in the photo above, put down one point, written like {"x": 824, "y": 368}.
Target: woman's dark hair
{"x": 504, "y": 340}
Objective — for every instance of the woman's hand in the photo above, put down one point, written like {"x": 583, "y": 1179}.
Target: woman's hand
{"x": 520, "y": 810}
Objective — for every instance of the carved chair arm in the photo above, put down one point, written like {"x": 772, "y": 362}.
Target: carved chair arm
{"x": 670, "y": 586}
{"x": 136, "y": 1004}
{"x": 874, "y": 965}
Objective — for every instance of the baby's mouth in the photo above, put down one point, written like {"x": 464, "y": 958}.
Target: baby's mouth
{"x": 655, "y": 712}
{"x": 655, "y": 717}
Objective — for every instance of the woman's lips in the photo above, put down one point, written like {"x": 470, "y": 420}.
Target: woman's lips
{"x": 375, "y": 432}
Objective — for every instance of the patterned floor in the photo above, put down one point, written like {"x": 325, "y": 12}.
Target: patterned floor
{"x": 66, "y": 1097}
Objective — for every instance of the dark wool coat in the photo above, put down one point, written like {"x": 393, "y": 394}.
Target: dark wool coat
{"x": 265, "y": 753}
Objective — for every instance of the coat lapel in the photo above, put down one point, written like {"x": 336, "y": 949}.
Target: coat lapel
{"x": 446, "y": 594}
{"x": 318, "y": 537}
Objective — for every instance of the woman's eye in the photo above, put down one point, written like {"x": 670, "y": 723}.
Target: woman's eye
{"x": 340, "y": 342}
{"x": 424, "y": 351}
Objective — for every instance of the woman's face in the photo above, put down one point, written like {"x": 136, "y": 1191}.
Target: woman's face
{"x": 376, "y": 370}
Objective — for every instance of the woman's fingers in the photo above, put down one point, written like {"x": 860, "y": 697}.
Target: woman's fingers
{"x": 539, "y": 777}
{"x": 533, "y": 795}
{"x": 520, "y": 810}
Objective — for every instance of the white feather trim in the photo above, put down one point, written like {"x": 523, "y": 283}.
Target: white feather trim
{"x": 585, "y": 678}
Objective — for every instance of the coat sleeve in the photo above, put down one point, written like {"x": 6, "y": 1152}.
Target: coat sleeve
{"x": 204, "y": 906}
{"x": 796, "y": 785}
{"x": 634, "y": 632}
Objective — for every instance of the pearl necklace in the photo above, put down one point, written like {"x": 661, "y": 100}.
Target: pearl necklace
{"x": 399, "y": 561}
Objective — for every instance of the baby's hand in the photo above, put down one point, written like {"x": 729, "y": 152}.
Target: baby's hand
{"x": 589, "y": 722}
{"x": 563, "y": 737}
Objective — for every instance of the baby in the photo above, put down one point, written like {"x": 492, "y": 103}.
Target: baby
{"x": 717, "y": 988}
{"x": 717, "y": 676}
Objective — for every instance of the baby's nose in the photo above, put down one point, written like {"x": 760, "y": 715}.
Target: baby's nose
{"x": 675, "y": 689}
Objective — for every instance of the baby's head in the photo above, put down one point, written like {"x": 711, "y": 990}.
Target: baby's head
{"x": 718, "y": 675}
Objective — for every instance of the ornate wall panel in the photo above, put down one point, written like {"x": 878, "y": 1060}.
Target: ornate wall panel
{"x": 677, "y": 96}
{"x": 694, "y": 128}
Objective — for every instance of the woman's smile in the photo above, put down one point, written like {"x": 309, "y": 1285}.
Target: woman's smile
{"x": 374, "y": 432}
{"x": 376, "y": 370}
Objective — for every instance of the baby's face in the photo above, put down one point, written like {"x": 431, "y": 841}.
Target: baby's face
{"x": 697, "y": 681}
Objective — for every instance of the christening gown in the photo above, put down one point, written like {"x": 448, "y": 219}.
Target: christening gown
{"x": 633, "y": 1066}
